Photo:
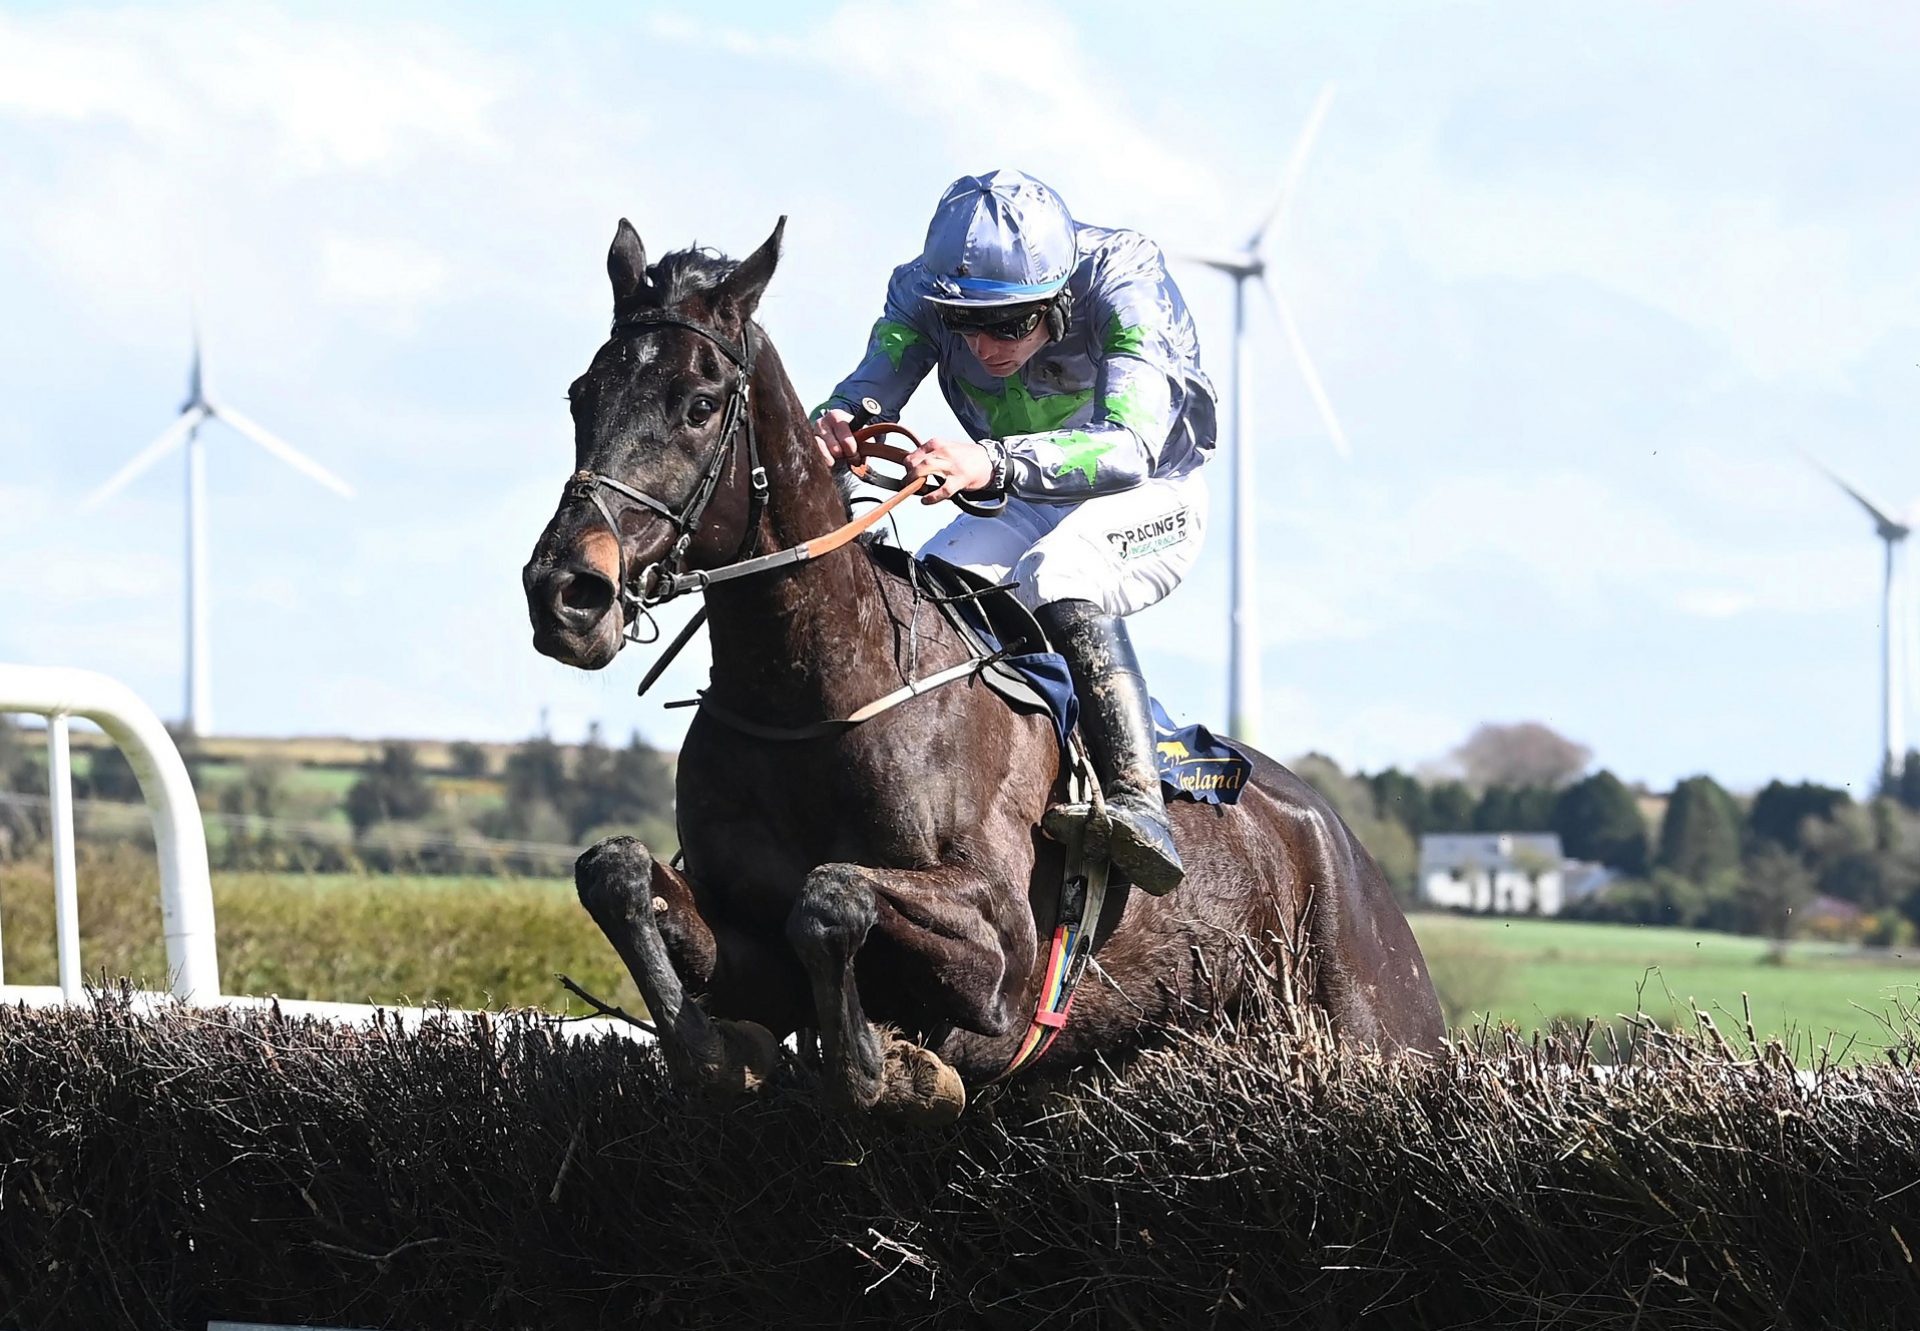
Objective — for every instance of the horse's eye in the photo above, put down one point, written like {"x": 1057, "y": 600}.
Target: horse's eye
{"x": 700, "y": 410}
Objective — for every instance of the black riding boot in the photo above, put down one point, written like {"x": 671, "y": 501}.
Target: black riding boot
{"x": 1118, "y": 725}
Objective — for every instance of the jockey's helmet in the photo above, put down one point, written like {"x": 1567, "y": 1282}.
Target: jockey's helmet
{"x": 999, "y": 239}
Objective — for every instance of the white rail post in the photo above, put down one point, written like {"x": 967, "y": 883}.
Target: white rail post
{"x": 66, "y": 898}
{"x": 180, "y": 841}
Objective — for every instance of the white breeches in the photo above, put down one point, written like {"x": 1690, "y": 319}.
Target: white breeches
{"x": 1121, "y": 551}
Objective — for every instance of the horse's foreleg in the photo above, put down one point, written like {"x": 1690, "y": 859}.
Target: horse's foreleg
{"x": 731, "y": 972}
{"x": 862, "y": 1067}
{"x": 615, "y": 880}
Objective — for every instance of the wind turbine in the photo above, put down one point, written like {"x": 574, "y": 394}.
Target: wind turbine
{"x": 1895, "y": 640}
{"x": 1249, "y": 264}
{"x": 195, "y": 412}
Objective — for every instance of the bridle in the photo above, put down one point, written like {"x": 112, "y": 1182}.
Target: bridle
{"x": 666, "y": 578}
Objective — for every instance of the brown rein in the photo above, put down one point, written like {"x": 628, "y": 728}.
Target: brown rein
{"x": 869, "y": 437}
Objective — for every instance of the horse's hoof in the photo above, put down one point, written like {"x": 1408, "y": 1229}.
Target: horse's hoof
{"x": 918, "y": 1089}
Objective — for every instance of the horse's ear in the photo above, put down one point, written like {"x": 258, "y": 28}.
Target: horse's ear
{"x": 747, "y": 283}
{"x": 627, "y": 265}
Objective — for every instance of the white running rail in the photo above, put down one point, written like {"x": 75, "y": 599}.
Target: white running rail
{"x": 186, "y": 892}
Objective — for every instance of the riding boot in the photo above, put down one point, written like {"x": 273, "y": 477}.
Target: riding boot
{"x": 1117, "y": 722}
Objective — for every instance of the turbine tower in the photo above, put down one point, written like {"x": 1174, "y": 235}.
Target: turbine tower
{"x": 195, "y": 412}
{"x": 1250, "y": 264}
{"x": 1895, "y": 640}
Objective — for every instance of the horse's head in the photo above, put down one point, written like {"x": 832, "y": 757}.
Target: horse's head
{"x": 661, "y": 421}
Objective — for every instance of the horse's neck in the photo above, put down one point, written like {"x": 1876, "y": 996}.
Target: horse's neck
{"x": 814, "y": 639}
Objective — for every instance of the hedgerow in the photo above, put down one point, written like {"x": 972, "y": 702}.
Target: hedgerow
{"x": 464, "y": 942}
{"x": 159, "y": 1172}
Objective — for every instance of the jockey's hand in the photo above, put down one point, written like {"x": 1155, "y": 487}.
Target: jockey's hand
{"x": 964, "y": 465}
{"x": 833, "y": 437}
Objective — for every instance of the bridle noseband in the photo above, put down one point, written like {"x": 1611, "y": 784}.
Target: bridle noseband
{"x": 664, "y": 578}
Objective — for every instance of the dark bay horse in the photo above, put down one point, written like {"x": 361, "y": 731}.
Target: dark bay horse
{"x": 886, "y": 885}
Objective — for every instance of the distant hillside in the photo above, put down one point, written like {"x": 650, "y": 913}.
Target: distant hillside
{"x": 435, "y": 755}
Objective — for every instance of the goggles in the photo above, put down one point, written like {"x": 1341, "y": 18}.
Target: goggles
{"x": 1000, "y": 323}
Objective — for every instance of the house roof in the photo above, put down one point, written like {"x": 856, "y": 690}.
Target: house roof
{"x": 1487, "y": 850}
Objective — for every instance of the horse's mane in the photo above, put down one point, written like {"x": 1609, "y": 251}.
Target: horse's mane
{"x": 686, "y": 273}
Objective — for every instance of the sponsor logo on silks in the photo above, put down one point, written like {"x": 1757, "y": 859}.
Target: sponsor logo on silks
{"x": 1146, "y": 538}
{"x": 1197, "y": 764}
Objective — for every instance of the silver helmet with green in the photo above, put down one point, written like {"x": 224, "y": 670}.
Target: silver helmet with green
{"x": 1000, "y": 244}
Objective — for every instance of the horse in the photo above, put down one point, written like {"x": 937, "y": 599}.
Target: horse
{"x": 884, "y": 885}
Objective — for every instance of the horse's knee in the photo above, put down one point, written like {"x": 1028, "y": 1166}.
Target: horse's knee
{"x": 831, "y": 919}
{"x": 609, "y": 863}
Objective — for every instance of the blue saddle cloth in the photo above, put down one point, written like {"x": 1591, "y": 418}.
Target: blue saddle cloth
{"x": 1195, "y": 763}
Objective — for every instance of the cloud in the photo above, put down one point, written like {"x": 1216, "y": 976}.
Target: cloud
{"x": 316, "y": 95}
{"x": 1571, "y": 368}
{"x": 1021, "y": 88}
{"x": 1783, "y": 292}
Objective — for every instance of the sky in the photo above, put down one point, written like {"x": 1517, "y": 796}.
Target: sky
{"x": 1581, "y": 283}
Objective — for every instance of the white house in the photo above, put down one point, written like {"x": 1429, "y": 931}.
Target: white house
{"x": 1507, "y": 873}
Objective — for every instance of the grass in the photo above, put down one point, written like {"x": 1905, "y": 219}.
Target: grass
{"x": 331, "y": 783}
{"x": 466, "y": 942}
{"x": 1530, "y": 971}
{"x": 493, "y": 942}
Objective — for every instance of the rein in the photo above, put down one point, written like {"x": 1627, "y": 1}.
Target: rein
{"x": 667, "y": 587}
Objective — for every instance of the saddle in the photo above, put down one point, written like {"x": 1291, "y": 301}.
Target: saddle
{"x": 1022, "y": 666}
{"x": 1018, "y": 662}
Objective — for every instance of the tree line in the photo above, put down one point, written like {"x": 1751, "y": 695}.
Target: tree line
{"x": 1710, "y": 859}
{"x": 545, "y": 802}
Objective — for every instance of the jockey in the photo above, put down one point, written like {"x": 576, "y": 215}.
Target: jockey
{"x": 1067, "y": 353}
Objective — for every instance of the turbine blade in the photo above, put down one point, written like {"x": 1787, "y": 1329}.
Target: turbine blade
{"x": 1307, "y": 372}
{"x": 281, "y": 449}
{"x": 169, "y": 439}
{"x": 1889, "y": 527}
{"x": 1295, "y": 165}
{"x": 196, "y": 380}
{"x": 1234, "y": 265}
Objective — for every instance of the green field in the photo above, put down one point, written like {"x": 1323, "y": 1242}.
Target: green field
{"x": 1529, "y": 972}
{"x": 354, "y": 938}
{"x": 489, "y": 941}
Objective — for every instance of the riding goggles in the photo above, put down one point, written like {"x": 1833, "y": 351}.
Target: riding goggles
{"x": 998, "y": 323}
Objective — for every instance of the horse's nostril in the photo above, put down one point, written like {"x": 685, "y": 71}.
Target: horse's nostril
{"x": 574, "y": 599}
{"x": 585, "y": 592}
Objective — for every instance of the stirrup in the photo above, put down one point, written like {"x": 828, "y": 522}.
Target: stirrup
{"x": 1139, "y": 860}
{"x": 1066, "y": 820}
